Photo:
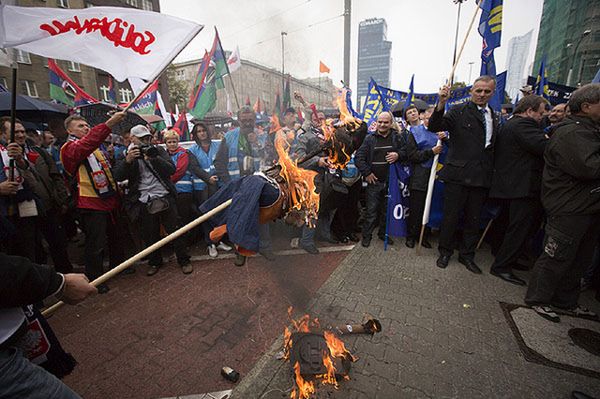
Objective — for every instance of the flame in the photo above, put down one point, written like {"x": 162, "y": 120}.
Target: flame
{"x": 336, "y": 346}
{"x": 346, "y": 117}
{"x": 305, "y": 388}
{"x": 300, "y": 181}
{"x": 329, "y": 377}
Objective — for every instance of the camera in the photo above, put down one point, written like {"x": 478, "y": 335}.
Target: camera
{"x": 149, "y": 150}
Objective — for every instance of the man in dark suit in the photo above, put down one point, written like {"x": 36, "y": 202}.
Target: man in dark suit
{"x": 467, "y": 172}
{"x": 518, "y": 165}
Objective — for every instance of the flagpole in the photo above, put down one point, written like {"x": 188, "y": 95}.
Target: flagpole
{"x": 428, "y": 198}
{"x": 451, "y": 78}
{"x": 436, "y": 157}
{"x": 237, "y": 103}
{"x": 140, "y": 255}
{"x": 13, "y": 120}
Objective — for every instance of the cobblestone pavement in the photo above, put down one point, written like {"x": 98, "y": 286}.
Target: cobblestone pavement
{"x": 169, "y": 335}
{"x": 444, "y": 333}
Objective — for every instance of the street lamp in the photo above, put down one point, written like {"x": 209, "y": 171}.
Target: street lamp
{"x": 583, "y": 35}
{"x": 459, "y": 2}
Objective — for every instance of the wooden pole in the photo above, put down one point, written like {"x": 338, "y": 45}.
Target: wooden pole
{"x": 428, "y": 198}
{"x": 435, "y": 159}
{"x": 129, "y": 262}
{"x": 484, "y": 233}
{"x": 451, "y": 78}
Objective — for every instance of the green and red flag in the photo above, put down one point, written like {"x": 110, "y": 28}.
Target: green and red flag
{"x": 64, "y": 90}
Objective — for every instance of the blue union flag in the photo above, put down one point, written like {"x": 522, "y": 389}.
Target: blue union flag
{"x": 490, "y": 29}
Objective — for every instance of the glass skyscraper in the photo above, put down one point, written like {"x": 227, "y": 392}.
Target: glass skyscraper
{"x": 374, "y": 55}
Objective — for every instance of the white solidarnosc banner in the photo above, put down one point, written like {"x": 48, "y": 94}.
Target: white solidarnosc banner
{"x": 122, "y": 41}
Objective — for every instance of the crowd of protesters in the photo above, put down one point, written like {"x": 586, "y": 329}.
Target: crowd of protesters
{"x": 104, "y": 184}
{"x": 539, "y": 165}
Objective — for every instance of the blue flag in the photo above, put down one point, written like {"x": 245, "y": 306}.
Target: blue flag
{"x": 349, "y": 104}
{"x": 410, "y": 98}
{"x": 541, "y": 83}
{"x": 490, "y": 29}
{"x": 397, "y": 206}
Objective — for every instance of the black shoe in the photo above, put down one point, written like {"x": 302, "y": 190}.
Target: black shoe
{"x": 311, "y": 249}
{"x": 547, "y": 313}
{"x": 344, "y": 240}
{"x": 580, "y": 395}
{"x": 470, "y": 265}
{"x": 426, "y": 244}
{"x": 152, "y": 270}
{"x": 240, "y": 260}
{"x": 442, "y": 261}
{"x": 389, "y": 239}
{"x": 509, "y": 277}
{"x": 366, "y": 241}
{"x": 353, "y": 237}
{"x": 103, "y": 288}
{"x": 410, "y": 243}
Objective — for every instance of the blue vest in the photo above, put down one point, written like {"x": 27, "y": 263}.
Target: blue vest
{"x": 351, "y": 170}
{"x": 425, "y": 141}
{"x": 206, "y": 162}
{"x": 235, "y": 157}
{"x": 184, "y": 185}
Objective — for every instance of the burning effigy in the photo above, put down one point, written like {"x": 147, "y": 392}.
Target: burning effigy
{"x": 285, "y": 190}
{"x": 319, "y": 356}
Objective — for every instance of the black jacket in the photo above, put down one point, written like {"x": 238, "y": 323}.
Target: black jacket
{"x": 419, "y": 177}
{"x": 161, "y": 164}
{"x": 364, "y": 155}
{"x": 23, "y": 282}
{"x": 571, "y": 178}
{"x": 518, "y": 159}
{"x": 468, "y": 161}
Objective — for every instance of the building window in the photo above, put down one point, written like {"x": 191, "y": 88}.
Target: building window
{"x": 62, "y": 3}
{"x": 74, "y": 66}
{"x": 133, "y": 3}
{"x": 23, "y": 57}
{"x": 147, "y": 5}
{"x": 125, "y": 95}
{"x": 29, "y": 88}
{"x": 104, "y": 89}
{"x": 4, "y": 83}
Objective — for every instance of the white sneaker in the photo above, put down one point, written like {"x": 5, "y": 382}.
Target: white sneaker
{"x": 224, "y": 247}
{"x": 212, "y": 251}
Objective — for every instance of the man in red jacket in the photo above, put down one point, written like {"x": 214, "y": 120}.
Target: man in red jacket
{"x": 95, "y": 190}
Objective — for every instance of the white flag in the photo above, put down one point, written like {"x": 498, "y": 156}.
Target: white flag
{"x": 124, "y": 42}
{"x": 234, "y": 61}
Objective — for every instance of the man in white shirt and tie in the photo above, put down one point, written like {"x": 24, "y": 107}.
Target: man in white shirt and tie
{"x": 468, "y": 168}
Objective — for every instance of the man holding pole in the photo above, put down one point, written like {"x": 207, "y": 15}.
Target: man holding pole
{"x": 96, "y": 190}
{"x": 468, "y": 168}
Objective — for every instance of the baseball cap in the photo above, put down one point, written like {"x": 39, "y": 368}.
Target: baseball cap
{"x": 140, "y": 131}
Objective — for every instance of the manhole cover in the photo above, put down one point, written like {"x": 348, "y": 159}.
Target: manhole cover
{"x": 586, "y": 339}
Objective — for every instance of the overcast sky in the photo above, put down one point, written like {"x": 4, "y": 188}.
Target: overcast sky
{"x": 421, "y": 32}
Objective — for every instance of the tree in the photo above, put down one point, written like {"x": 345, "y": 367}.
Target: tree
{"x": 178, "y": 89}
{"x": 457, "y": 85}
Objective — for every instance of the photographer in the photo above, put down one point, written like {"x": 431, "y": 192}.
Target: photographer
{"x": 150, "y": 200}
